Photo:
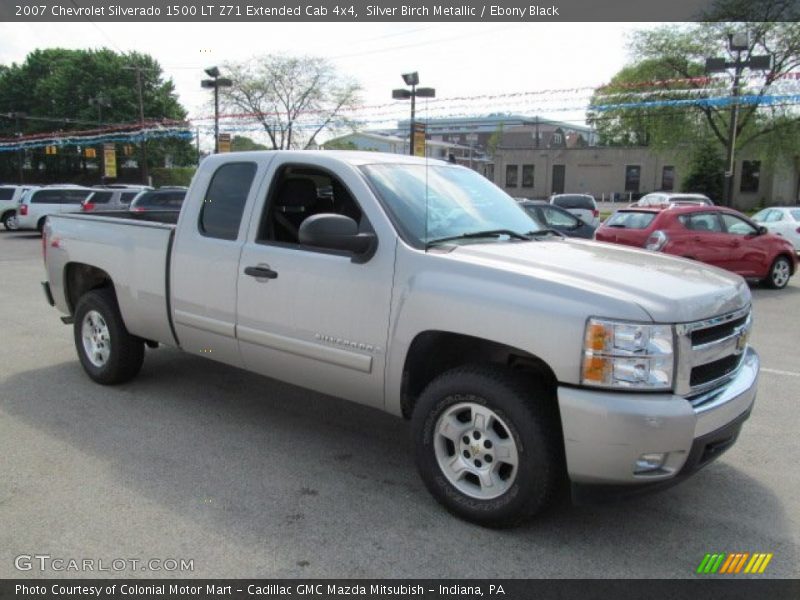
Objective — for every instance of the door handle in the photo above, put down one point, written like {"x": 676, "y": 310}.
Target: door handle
{"x": 261, "y": 272}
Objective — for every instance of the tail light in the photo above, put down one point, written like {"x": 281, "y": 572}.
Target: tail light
{"x": 87, "y": 206}
{"x": 596, "y": 212}
{"x": 23, "y": 209}
{"x": 656, "y": 240}
{"x": 136, "y": 209}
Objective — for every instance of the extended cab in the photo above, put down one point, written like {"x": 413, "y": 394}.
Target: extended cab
{"x": 523, "y": 360}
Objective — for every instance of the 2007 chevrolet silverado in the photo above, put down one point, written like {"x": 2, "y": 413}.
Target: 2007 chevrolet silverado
{"x": 523, "y": 360}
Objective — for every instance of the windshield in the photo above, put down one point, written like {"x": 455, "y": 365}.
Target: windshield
{"x": 459, "y": 202}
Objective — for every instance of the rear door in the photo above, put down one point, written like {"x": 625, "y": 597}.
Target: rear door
{"x": 205, "y": 259}
{"x": 702, "y": 238}
{"x": 320, "y": 319}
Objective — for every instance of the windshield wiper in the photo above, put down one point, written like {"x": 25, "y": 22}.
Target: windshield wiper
{"x": 546, "y": 232}
{"x": 479, "y": 234}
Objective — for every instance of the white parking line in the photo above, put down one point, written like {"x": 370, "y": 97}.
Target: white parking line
{"x": 779, "y": 372}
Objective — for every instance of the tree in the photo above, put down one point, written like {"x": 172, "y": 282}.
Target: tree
{"x": 241, "y": 143}
{"x": 705, "y": 170}
{"x": 671, "y": 52}
{"x": 294, "y": 99}
{"x": 68, "y": 90}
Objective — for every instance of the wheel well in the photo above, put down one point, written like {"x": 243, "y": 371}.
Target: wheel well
{"x": 10, "y": 211}
{"x": 80, "y": 278}
{"x": 434, "y": 352}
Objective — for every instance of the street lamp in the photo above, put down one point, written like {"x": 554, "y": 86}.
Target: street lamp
{"x": 101, "y": 102}
{"x": 412, "y": 79}
{"x": 215, "y": 82}
{"x": 737, "y": 42}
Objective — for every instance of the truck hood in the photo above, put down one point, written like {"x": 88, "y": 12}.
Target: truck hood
{"x": 669, "y": 289}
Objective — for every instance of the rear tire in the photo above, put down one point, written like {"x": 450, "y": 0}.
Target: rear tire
{"x": 779, "y": 273}
{"x": 10, "y": 221}
{"x": 108, "y": 353}
{"x": 488, "y": 444}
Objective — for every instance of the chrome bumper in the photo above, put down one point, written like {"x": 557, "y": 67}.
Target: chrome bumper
{"x": 606, "y": 432}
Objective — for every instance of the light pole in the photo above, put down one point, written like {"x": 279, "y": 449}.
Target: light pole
{"x": 215, "y": 82}
{"x": 412, "y": 79}
{"x": 20, "y": 152}
{"x": 737, "y": 42}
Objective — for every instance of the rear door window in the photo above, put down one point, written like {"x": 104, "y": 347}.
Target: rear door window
{"x": 702, "y": 222}
{"x": 224, "y": 200}
{"x": 6, "y": 193}
{"x": 584, "y": 202}
{"x": 101, "y": 197}
{"x": 631, "y": 220}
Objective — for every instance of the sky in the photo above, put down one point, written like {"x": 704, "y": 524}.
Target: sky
{"x": 464, "y": 59}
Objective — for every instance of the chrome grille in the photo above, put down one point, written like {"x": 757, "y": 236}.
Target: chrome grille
{"x": 710, "y": 352}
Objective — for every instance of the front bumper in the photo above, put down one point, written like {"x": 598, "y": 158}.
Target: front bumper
{"x": 606, "y": 432}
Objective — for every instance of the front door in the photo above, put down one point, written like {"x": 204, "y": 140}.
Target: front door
{"x": 307, "y": 315}
{"x": 558, "y": 178}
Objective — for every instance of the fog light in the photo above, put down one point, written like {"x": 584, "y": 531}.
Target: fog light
{"x": 651, "y": 461}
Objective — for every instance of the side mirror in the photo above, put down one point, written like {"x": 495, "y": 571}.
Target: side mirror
{"x": 337, "y": 232}
{"x": 762, "y": 230}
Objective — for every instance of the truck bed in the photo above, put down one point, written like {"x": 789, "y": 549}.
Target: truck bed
{"x": 132, "y": 249}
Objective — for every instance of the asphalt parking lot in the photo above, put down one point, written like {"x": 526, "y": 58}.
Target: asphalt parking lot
{"x": 249, "y": 477}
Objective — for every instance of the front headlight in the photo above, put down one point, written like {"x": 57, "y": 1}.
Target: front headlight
{"x": 627, "y": 355}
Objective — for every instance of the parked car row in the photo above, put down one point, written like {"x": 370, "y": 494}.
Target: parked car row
{"x": 27, "y": 207}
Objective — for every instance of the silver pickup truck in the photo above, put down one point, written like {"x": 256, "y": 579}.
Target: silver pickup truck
{"x": 524, "y": 361}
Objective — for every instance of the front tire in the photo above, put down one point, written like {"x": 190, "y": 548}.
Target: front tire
{"x": 108, "y": 353}
{"x": 488, "y": 444}
{"x": 779, "y": 273}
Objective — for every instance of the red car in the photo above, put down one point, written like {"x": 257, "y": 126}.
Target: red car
{"x": 711, "y": 234}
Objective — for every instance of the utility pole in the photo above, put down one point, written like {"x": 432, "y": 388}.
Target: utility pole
{"x": 412, "y": 79}
{"x": 737, "y": 42}
{"x": 20, "y": 152}
{"x": 143, "y": 144}
{"x": 215, "y": 82}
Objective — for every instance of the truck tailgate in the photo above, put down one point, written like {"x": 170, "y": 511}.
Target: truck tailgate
{"x": 134, "y": 254}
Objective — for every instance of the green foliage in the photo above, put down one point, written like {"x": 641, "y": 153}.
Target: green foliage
{"x": 494, "y": 140}
{"x": 680, "y": 51}
{"x": 706, "y": 171}
{"x": 241, "y": 143}
{"x": 340, "y": 144}
{"x": 68, "y": 90}
{"x": 174, "y": 176}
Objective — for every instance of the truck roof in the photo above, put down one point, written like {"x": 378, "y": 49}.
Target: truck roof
{"x": 354, "y": 157}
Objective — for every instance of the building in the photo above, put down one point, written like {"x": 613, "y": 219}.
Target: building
{"x": 626, "y": 173}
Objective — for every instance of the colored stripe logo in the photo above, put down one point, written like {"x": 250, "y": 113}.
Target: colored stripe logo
{"x": 734, "y": 563}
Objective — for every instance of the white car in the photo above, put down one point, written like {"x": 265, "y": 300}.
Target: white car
{"x": 783, "y": 221}
{"x": 37, "y": 204}
{"x": 10, "y": 196}
{"x": 664, "y": 199}
{"x": 582, "y": 206}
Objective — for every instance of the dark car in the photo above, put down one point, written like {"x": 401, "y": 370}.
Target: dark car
{"x": 557, "y": 218}
{"x": 711, "y": 234}
{"x": 162, "y": 199}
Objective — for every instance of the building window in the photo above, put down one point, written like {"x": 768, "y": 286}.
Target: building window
{"x": 511, "y": 175}
{"x": 527, "y": 176}
{"x": 751, "y": 173}
{"x": 633, "y": 174}
{"x": 557, "y": 138}
{"x": 667, "y": 179}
